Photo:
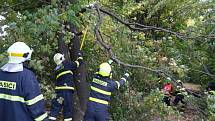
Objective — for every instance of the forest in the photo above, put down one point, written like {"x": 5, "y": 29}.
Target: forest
{"x": 152, "y": 40}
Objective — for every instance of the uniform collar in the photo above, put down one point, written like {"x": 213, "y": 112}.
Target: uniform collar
{"x": 58, "y": 67}
{"x": 12, "y": 67}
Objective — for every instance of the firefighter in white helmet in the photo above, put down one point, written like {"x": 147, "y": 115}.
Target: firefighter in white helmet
{"x": 64, "y": 86}
{"x": 20, "y": 96}
{"x": 102, "y": 87}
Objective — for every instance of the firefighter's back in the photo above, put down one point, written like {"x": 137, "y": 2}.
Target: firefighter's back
{"x": 12, "y": 95}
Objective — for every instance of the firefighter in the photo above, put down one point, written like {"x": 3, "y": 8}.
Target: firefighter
{"x": 64, "y": 86}
{"x": 167, "y": 91}
{"x": 100, "y": 93}
{"x": 20, "y": 96}
{"x": 179, "y": 93}
{"x": 211, "y": 87}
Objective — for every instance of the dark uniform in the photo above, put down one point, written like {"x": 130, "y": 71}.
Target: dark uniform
{"x": 179, "y": 96}
{"x": 64, "y": 90}
{"x": 179, "y": 93}
{"x": 20, "y": 97}
{"x": 100, "y": 95}
{"x": 211, "y": 86}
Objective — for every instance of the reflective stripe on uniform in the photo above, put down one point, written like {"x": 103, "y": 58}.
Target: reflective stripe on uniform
{"x": 16, "y": 54}
{"x": 42, "y": 117}
{"x": 100, "y": 91}
{"x": 68, "y": 119}
{"x": 118, "y": 84}
{"x": 212, "y": 92}
{"x": 64, "y": 87}
{"x": 77, "y": 63}
{"x": 52, "y": 118}
{"x": 63, "y": 73}
{"x": 80, "y": 58}
{"x": 98, "y": 101}
{"x": 12, "y": 98}
{"x": 34, "y": 100}
{"x": 123, "y": 79}
{"x": 21, "y": 99}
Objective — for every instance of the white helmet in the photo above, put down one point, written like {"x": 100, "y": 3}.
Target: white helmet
{"x": 58, "y": 58}
{"x": 19, "y": 52}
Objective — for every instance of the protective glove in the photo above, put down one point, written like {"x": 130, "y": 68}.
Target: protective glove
{"x": 110, "y": 61}
{"x": 79, "y": 54}
{"x": 126, "y": 74}
{"x": 92, "y": 6}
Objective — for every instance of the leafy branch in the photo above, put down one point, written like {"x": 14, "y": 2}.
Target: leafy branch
{"x": 111, "y": 53}
{"x": 107, "y": 47}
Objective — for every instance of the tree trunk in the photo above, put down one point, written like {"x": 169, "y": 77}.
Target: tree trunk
{"x": 80, "y": 74}
{"x": 81, "y": 94}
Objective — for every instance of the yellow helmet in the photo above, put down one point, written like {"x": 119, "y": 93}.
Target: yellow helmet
{"x": 104, "y": 69}
{"x": 58, "y": 58}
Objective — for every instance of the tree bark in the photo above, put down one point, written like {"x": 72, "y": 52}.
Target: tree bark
{"x": 81, "y": 93}
{"x": 80, "y": 100}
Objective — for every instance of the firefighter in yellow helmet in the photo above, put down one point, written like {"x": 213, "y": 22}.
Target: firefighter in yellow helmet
{"x": 64, "y": 86}
{"x": 20, "y": 96}
{"x": 102, "y": 87}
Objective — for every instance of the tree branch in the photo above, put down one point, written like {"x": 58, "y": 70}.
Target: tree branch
{"x": 114, "y": 57}
{"x": 141, "y": 27}
{"x": 111, "y": 53}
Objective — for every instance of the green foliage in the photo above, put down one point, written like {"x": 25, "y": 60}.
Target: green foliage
{"x": 137, "y": 107}
{"x": 211, "y": 107}
{"x": 190, "y": 60}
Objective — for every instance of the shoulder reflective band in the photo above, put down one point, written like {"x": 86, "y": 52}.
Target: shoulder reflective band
{"x": 68, "y": 119}
{"x": 77, "y": 63}
{"x": 64, "y": 87}
{"x": 34, "y": 100}
{"x": 98, "y": 101}
{"x": 100, "y": 82}
{"x": 21, "y": 99}
{"x": 42, "y": 117}
{"x": 80, "y": 58}
{"x": 63, "y": 73}
{"x": 100, "y": 91}
{"x": 52, "y": 118}
{"x": 118, "y": 84}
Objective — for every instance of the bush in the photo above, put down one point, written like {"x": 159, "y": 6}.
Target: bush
{"x": 135, "y": 107}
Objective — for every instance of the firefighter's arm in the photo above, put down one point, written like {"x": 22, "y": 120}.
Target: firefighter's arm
{"x": 84, "y": 9}
{"x": 122, "y": 81}
{"x": 34, "y": 100}
{"x": 77, "y": 63}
